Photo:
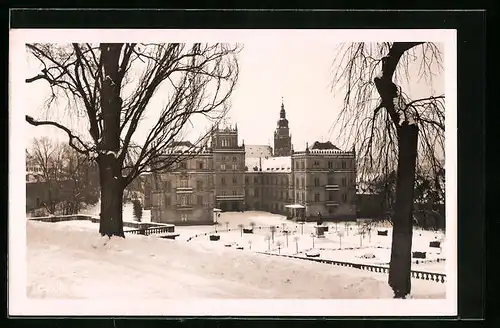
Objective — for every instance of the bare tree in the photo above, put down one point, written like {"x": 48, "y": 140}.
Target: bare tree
{"x": 47, "y": 155}
{"x": 268, "y": 239}
{"x": 80, "y": 180}
{"x": 241, "y": 226}
{"x": 279, "y": 243}
{"x": 273, "y": 231}
{"x": 112, "y": 85}
{"x": 388, "y": 127}
{"x": 67, "y": 176}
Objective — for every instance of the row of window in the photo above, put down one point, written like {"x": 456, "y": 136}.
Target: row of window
{"x": 281, "y": 207}
{"x": 300, "y": 164}
{"x": 228, "y": 142}
{"x": 300, "y": 183}
{"x": 185, "y": 200}
{"x": 224, "y": 158}
{"x": 199, "y": 165}
{"x": 234, "y": 167}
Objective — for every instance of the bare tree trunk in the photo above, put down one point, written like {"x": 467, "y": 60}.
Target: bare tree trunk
{"x": 111, "y": 220}
{"x": 400, "y": 265}
{"x": 112, "y": 187}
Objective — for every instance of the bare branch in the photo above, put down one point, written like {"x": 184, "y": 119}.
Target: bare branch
{"x": 71, "y": 136}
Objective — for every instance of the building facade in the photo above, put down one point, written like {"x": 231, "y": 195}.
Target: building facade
{"x": 321, "y": 178}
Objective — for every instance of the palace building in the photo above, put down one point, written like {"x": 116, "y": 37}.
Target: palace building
{"x": 234, "y": 177}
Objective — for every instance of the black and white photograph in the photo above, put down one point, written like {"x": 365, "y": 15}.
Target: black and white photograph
{"x": 233, "y": 172}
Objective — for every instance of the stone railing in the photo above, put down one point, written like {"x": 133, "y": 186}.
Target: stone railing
{"x": 154, "y": 230}
{"x": 433, "y": 276}
{"x": 61, "y": 218}
{"x": 141, "y": 228}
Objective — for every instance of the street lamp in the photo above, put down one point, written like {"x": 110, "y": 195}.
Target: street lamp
{"x": 312, "y": 235}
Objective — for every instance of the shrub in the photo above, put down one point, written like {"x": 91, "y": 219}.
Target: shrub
{"x": 137, "y": 209}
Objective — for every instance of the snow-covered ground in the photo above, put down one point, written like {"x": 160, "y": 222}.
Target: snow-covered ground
{"x": 72, "y": 261}
{"x": 350, "y": 247}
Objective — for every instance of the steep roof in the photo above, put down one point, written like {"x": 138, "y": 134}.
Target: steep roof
{"x": 324, "y": 145}
{"x": 258, "y": 151}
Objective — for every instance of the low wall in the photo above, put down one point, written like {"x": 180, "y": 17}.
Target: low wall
{"x": 95, "y": 219}
{"x": 433, "y": 276}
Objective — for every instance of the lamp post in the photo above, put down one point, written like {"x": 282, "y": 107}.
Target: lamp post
{"x": 312, "y": 235}
{"x": 340, "y": 234}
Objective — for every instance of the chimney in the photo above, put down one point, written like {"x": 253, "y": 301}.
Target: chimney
{"x": 260, "y": 163}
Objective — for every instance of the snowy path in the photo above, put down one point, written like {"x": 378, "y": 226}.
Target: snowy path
{"x": 64, "y": 262}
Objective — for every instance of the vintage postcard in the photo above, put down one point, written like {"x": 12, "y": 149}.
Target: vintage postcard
{"x": 232, "y": 172}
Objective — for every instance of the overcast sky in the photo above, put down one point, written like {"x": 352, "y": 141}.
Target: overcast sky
{"x": 300, "y": 71}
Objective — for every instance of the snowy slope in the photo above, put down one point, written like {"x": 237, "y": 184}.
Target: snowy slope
{"x": 64, "y": 262}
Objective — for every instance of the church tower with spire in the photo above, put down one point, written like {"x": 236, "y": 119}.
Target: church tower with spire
{"x": 282, "y": 138}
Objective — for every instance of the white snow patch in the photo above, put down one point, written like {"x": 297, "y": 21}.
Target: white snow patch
{"x": 64, "y": 262}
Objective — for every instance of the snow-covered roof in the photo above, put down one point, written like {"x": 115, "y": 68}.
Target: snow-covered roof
{"x": 258, "y": 151}
{"x": 277, "y": 164}
{"x": 252, "y": 162}
{"x": 270, "y": 164}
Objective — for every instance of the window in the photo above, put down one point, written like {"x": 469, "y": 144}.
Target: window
{"x": 200, "y": 165}
{"x": 316, "y": 197}
{"x": 250, "y": 192}
{"x": 343, "y": 164}
{"x": 199, "y": 185}
{"x": 302, "y": 165}
{"x": 168, "y": 186}
{"x": 255, "y": 180}
{"x": 343, "y": 181}
{"x": 223, "y": 180}
{"x": 183, "y": 165}
{"x": 303, "y": 183}
{"x": 316, "y": 182}
{"x": 235, "y": 180}
{"x": 256, "y": 192}
{"x": 223, "y": 167}
{"x": 297, "y": 165}
{"x": 234, "y": 193}
{"x": 246, "y": 180}
{"x": 184, "y": 217}
{"x": 183, "y": 183}
{"x": 199, "y": 200}
{"x": 184, "y": 200}
{"x": 235, "y": 159}
{"x": 235, "y": 166}
{"x": 223, "y": 193}
{"x": 330, "y": 165}
{"x": 344, "y": 198}
{"x": 223, "y": 158}
{"x": 316, "y": 164}
{"x": 331, "y": 180}
{"x": 330, "y": 195}
{"x": 168, "y": 202}
{"x": 297, "y": 182}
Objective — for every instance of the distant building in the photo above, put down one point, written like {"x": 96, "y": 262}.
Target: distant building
{"x": 282, "y": 137}
{"x": 236, "y": 177}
